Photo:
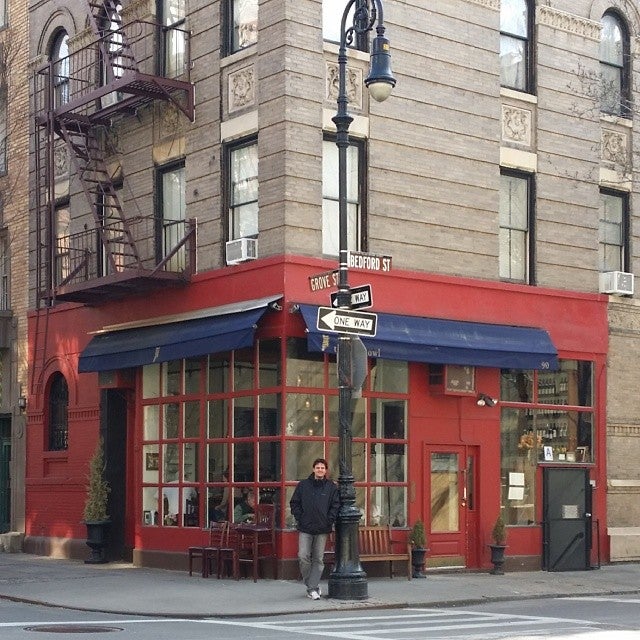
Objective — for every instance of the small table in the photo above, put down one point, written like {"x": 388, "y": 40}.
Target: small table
{"x": 254, "y": 537}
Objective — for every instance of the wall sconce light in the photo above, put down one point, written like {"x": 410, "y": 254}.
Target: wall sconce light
{"x": 486, "y": 401}
{"x": 22, "y": 403}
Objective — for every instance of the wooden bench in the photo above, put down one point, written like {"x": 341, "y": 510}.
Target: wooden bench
{"x": 377, "y": 545}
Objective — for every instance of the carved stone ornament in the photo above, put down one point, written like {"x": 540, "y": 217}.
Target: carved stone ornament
{"x": 353, "y": 84}
{"x": 138, "y": 10}
{"x": 167, "y": 121}
{"x": 568, "y": 22}
{"x": 614, "y": 147}
{"x": 241, "y": 89}
{"x": 516, "y": 124}
{"x": 60, "y": 159}
{"x": 490, "y": 4}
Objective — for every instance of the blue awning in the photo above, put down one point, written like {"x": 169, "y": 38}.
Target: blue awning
{"x": 213, "y": 333}
{"x": 416, "y": 339}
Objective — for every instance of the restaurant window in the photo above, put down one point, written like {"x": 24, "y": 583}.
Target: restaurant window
{"x": 546, "y": 417}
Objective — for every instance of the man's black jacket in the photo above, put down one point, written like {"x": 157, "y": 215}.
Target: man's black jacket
{"x": 315, "y": 504}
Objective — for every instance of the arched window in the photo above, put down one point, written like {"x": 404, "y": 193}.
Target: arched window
{"x": 60, "y": 58}
{"x": 614, "y": 57}
{"x": 515, "y": 45}
{"x": 58, "y": 413}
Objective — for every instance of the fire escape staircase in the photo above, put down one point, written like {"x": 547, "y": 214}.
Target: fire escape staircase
{"x": 126, "y": 261}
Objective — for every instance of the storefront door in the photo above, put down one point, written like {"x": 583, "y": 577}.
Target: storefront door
{"x": 451, "y": 493}
{"x": 567, "y": 519}
{"x": 5, "y": 478}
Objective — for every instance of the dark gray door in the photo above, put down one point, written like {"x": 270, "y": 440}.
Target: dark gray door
{"x": 567, "y": 519}
{"x": 5, "y": 478}
{"x": 113, "y": 414}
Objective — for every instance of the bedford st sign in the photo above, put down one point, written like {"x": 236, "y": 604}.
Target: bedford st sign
{"x": 369, "y": 261}
{"x": 345, "y": 321}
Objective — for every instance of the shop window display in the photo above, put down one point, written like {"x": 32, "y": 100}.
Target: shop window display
{"x": 546, "y": 418}
{"x": 217, "y": 427}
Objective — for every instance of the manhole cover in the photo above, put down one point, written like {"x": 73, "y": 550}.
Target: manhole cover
{"x": 72, "y": 628}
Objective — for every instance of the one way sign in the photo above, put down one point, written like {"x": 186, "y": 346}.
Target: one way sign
{"x": 345, "y": 321}
{"x": 361, "y": 297}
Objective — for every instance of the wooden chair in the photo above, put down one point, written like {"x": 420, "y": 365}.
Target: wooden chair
{"x": 206, "y": 552}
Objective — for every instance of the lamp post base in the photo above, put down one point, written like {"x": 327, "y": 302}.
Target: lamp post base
{"x": 348, "y": 586}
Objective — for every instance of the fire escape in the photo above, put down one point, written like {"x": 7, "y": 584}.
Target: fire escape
{"x": 100, "y": 251}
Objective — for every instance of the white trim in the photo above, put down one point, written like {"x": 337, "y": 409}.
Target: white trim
{"x": 239, "y": 126}
{"x": 518, "y": 95}
{"x": 518, "y": 159}
{"x": 359, "y": 127}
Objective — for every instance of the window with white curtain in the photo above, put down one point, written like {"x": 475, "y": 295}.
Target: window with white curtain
{"x": 60, "y": 59}
{"x": 243, "y": 190}
{"x": 612, "y": 248}
{"x": 173, "y": 20}
{"x": 3, "y": 13}
{"x": 330, "y": 211}
{"x": 614, "y": 53}
{"x": 243, "y": 24}
{"x": 514, "y": 44}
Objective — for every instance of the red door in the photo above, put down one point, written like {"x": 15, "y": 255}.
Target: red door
{"x": 451, "y": 496}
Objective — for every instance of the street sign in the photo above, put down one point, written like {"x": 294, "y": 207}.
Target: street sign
{"x": 345, "y": 321}
{"x": 369, "y": 261}
{"x": 324, "y": 280}
{"x": 361, "y": 297}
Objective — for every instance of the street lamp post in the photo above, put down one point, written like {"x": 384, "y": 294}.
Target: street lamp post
{"x": 347, "y": 580}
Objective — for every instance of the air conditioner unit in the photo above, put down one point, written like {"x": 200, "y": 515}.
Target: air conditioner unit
{"x": 617, "y": 282}
{"x": 241, "y": 250}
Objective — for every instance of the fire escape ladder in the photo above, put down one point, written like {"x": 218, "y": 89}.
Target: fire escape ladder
{"x": 97, "y": 183}
{"x": 115, "y": 49}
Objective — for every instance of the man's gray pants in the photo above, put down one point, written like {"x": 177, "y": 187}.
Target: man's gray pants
{"x": 311, "y": 555}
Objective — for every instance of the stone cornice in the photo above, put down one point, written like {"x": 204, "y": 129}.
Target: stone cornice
{"x": 568, "y": 22}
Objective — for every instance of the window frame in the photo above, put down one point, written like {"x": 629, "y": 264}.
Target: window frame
{"x": 161, "y": 219}
{"x": 58, "y": 413}
{"x": 4, "y": 14}
{"x": 4, "y": 130}
{"x": 528, "y": 40}
{"x": 172, "y": 62}
{"x": 229, "y": 31}
{"x": 529, "y": 243}
{"x": 623, "y": 106}
{"x": 625, "y": 231}
{"x": 361, "y": 236}
{"x": 61, "y": 84}
{"x": 229, "y": 205}
{"x": 5, "y": 271}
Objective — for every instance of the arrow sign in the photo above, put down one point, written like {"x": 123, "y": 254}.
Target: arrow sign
{"x": 345, "y": 321}
{"x": 361, "y": 297}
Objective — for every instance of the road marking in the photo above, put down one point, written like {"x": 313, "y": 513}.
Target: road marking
{"x": 66, "y": 623}
{"x": 602, "y": 599}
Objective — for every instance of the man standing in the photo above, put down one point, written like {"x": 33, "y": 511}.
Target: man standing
{"x": 314, "y": 505}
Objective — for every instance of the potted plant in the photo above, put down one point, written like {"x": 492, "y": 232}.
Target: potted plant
{"x": 418, "y": 541}
{"x": 96, "y": 517}
{"x": 499, "y": 537}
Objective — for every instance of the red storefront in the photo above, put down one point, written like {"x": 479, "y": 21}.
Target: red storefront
{"x": 206, "y": 392}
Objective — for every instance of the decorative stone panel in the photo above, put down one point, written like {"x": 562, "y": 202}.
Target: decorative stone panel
{"x": 516, "y": 124}
{"x": 614, "y": 147}
{"x": 138, "y": 10}
{"x": 490, "y": 4}
{"x": 241, "y": 89}
{"x": 568, "y": 22}
{"x": 353, "y": 84}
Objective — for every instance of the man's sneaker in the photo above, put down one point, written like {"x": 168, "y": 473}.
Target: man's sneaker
{"x": 313, "y": 594}
{"x": 319, "y": 590}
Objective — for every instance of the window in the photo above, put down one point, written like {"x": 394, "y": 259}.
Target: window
{"x": 3, "y": 128}
{"x": 61, "y": 258}
{"x": 355, "y": 188}
{"x": 172, "y": 214}
{"x": 242, "y": 24}
{"x": 614, "y": 56}
{"x": 546, "y": 417}
{"x": 515, "y": 260}
{"x": 60, "y": 59}
{"x": 5, "y": 300}
{"x": 332, "y": 11}
{"x": 243, "y": 190}
{"x": 515, "y": 39}
{"x": 173, "y": 14}
{"x": 614, "y": 237}
{"x": 3, "y": 13}
{"x": 58, "y": 413}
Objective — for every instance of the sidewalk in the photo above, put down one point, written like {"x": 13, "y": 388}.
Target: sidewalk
{"x": 122, "y": 588}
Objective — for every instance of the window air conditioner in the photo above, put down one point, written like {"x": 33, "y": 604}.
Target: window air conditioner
{"x": 241, "y": 250}
{"x": 617, "y": 282}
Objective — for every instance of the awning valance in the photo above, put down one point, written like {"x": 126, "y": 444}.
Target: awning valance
{"x": 141, "y": 345}
{"x": 437, "y": 341}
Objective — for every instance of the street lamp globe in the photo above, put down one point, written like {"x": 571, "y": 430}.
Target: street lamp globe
{"x": 380, "y": 80}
